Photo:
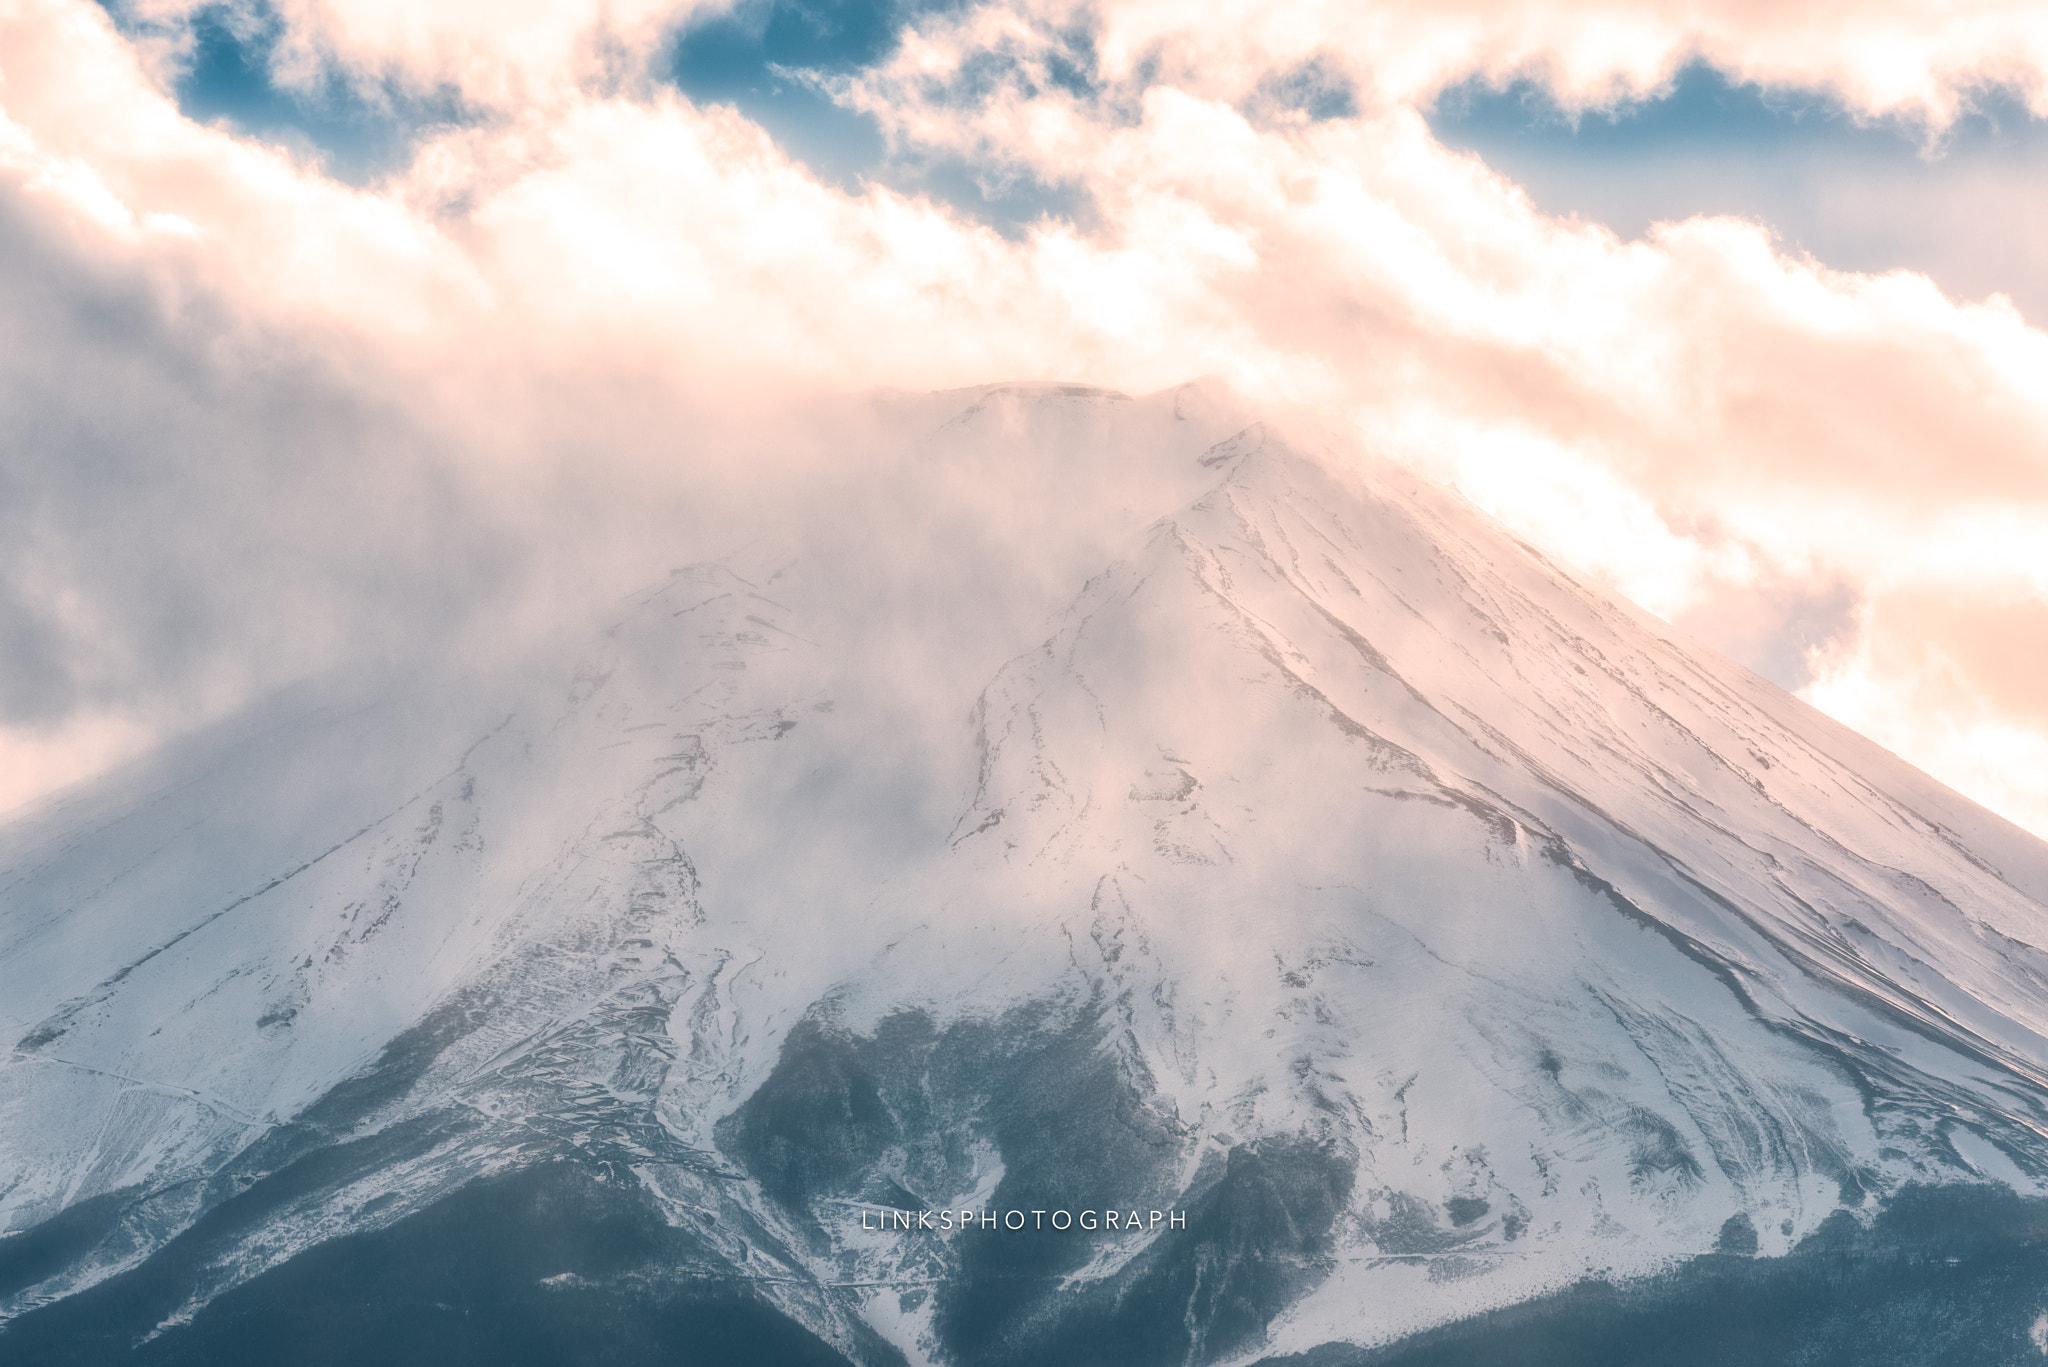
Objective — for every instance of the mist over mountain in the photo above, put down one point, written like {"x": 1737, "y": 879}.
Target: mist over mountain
{"x": 1105, "y": 805}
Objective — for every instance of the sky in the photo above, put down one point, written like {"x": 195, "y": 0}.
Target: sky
{"x": 336, "y": 329}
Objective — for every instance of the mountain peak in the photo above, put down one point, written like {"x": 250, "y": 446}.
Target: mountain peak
{"x": 1416, "y": 930}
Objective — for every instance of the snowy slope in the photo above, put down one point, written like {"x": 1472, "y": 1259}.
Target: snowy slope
{"x": 1117, "y": 806}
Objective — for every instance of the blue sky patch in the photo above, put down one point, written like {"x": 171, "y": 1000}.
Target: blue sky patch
{"x": 228, "y": 81}
{"x": 1856, "y": 194}
{"x": 756, "y": 58}
{"x": 1314, "y": 88}
{"x": 765, "y": 58}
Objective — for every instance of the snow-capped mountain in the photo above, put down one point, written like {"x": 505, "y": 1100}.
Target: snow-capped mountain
{"x": 1117, "y": 809}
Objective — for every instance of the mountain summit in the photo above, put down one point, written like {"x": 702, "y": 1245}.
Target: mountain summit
{"x": 1143, "y": 821}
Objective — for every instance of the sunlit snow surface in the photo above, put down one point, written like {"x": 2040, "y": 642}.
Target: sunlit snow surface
{"x": 1324, "y": 856}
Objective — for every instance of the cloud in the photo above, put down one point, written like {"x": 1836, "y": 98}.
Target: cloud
{"x": 267, "y": 422}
